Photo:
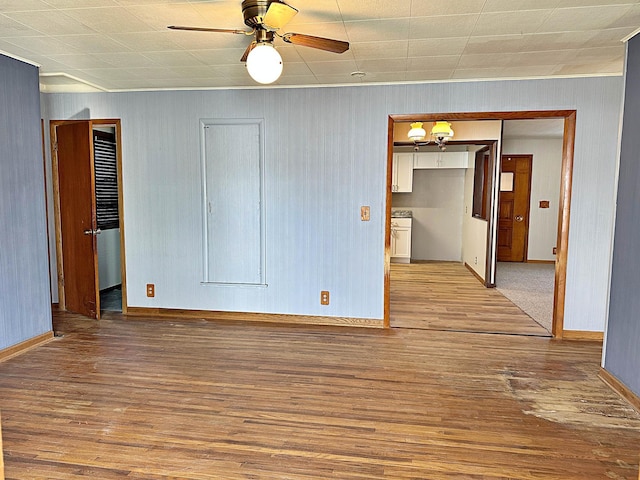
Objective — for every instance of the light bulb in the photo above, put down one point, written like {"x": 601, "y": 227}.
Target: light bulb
{"x": 264, "y": 63}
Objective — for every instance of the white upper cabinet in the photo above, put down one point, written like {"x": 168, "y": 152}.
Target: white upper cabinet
{"x": 441, "y": 160}
{"x": 404, "y": 163}
{"x": 402, "y": 174}
{"x": 426, "y": 160}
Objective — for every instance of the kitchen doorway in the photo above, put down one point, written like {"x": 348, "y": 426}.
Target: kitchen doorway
{"x": 568, "y": 119}
{"x": 88, "y": 210}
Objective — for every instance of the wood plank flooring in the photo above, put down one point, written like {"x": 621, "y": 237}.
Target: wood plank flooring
{"x": 1, "y": 449}
{"x": 446, "y": 296}
{"x": 170, "y": 399}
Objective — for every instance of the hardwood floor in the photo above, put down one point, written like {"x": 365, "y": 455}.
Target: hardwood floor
{"x": 171, "y": 399}
{"x": 446, "y": 296}
{"x": 1, "y": 456}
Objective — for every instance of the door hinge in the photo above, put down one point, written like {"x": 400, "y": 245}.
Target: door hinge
{"x": 55, "y": 147}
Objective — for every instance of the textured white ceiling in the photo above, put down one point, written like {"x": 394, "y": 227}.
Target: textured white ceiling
{"x": 124, "y": 44}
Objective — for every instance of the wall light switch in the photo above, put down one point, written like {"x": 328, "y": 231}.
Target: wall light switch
{"x": 365, "y": 213}
{"x": 151, "y": 290}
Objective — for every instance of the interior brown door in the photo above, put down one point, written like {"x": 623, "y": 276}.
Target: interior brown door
{"x": 513, "y": 216}
{"x": 78, "y": 218}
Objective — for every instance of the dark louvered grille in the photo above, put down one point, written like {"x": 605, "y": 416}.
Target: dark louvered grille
{"x": 106, "y": 170}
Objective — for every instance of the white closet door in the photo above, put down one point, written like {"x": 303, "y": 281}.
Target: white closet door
{"x": 233, "y": 172}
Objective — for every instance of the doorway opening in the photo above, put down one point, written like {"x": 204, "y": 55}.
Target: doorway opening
{"x": 88, "y": 206}
{"x": 492, "y": 186}
{"x": 526, "y": 276}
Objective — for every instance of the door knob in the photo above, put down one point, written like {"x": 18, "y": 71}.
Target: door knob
{"x": 519, "y": 218}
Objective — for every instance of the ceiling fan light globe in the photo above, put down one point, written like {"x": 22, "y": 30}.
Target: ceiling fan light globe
{"x": 264, "y": 63}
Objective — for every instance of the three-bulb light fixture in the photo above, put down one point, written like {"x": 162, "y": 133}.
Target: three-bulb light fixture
{"x": 441, "y": 132}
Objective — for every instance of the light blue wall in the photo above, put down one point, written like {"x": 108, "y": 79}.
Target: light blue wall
{"x": 109, "y": 258}
{"x": 325, "y": 156}
{"x": 622, "y": 357}
{"x": 25, "y": 308}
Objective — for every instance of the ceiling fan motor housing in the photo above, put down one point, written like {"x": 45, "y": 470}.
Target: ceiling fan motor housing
{"x": 254, "y": 11}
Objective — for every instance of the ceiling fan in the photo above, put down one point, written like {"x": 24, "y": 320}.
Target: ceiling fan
{"x": 265, "y": 18}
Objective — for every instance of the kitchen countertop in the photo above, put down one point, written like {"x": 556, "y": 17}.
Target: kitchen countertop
{"x": 401, "y": 214}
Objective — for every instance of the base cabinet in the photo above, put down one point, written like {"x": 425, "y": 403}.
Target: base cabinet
{"x": 401, "y": 240}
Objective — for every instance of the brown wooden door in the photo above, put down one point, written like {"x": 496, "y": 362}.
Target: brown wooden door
{"x": 513, "y": 213}
{"x": 78, "y": 227}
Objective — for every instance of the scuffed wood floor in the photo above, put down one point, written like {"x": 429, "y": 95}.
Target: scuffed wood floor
{"x": 446, "y": 296}
{"x": 167, "y": 399}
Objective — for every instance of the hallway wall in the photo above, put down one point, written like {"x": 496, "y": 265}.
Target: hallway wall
{"x": 545, "y": 185}
{"x": 25, "y": 299}
{"x": 622, "y": 355}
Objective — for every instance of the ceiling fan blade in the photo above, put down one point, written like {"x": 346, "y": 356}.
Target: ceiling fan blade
{"x": 278, "y": 15}
{"x": 204, "y": 29}
{"x": 247, "y": 51}
{"x": 335, "y": 46}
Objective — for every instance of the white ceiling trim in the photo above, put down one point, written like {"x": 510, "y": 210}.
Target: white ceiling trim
{"x": 69, "y": 84}
{"x": 16, "y": 57}
{"x": 335, "y": 85}
{"x": 631, "y": 35}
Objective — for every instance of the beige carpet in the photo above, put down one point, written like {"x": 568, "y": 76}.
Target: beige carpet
{"x": 530, "y": 287}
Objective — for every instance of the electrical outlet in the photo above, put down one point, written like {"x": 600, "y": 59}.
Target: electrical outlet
{"x": 324, "y": 297}
{"x": 475, "y": 261}
{"x": 151, "y": 290}
{"x": 365, "y": 213}
{"x": 555, "y": 250}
